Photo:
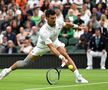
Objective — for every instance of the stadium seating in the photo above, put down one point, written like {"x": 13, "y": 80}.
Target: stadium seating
{"x": 64, "y": 40}
{"x": 73, "y": 41}
{"x": 71, "y": 48}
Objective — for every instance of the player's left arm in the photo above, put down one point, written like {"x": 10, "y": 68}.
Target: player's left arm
{"x": 72, "y": 25}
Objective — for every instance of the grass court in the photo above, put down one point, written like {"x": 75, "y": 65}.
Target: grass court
{"x": 35, "y": 79}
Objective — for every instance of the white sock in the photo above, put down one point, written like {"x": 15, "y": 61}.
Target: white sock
{"x": 76, "y": 72}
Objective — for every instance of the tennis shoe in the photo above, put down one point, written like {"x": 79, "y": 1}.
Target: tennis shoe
{"x": 89, "y": 68}
{"x": 103, "y": 67}
{"x": 80, "y": 79}
{"x": 4, "y": 73}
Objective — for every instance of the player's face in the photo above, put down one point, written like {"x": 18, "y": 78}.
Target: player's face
{"x": 51, "y": 20}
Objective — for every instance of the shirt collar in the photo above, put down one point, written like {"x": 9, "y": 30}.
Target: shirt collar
{"x": 97, "y": 36}
{"x": 49, "y": 27}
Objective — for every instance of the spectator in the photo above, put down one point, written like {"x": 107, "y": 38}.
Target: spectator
{"x": 75, "y": 10}
{"x": 96, "y": 13}
{"x": 106, "y": 13}
{"x": 10, "y": 48}
{"x": 84, "y": 17}
{"x": 86, "y": 10}
{"x": 14, "y": 26}
{"x": 4, "y": 43}
{"x": 105, "y": 20}
{"x": 31, "y": 3}
{"x": 90, "y": 27}
{"x": 29, "y": 18}
{"x": 59, "y": 15}
{"x": 84, "y": 39}
{"x": 21, "y": 36}
{"x": 4, "y": 11}
{"x": 71, "y": 16}
{"x": 97, "y": 48}
{"x": 16, "y": 9}
{"x": 10, "y": 13}
{"x": 26, "y": 47}
{"x": 36, "y": 18}
{"x": 79, "y": 3}
{"x": 99, "y": 11}
{"x": 55, "y": 3}
{"x": 102, "y": 5}
{"x": 94, "y": 22}
{"x": 10, "y": 34}
{"x": 104, "y": 30}
{"x": 45, "y": 5}
{"x": 43, "y": 21}
{"x": 21, "y": 3}
{"x": 34, "y": 35}
{"x": 19, "y": 20}
{"x": 2, "y": 3}
{"x": 79, "y": 21}
{"x": 88, "y": 3}
{"x": 13, "y": 5}
{"x": 5, "y": 23}
{"x": 66, "y": 7}
{"x": 28, "y": 26}
{"x": 17, "y": 12}
{"x": 67, "y": 32}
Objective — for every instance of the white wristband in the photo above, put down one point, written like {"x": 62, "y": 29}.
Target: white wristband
{"x": 61, "y": 57}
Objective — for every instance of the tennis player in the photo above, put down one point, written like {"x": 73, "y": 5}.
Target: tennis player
{"x": 48, "y": 41}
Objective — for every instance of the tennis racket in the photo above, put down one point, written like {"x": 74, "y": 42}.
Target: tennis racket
{"x": 53, "y": 74}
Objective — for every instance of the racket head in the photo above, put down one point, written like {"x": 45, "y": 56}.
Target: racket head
{"x": 52, "y": 76}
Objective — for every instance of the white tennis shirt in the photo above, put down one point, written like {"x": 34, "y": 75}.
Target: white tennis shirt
{"x": 48, "y": 34}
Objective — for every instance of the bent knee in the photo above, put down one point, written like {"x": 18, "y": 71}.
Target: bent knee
{"x": 21, "y": 63}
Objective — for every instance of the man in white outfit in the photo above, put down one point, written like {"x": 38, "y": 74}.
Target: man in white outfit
{"x": 48, "y": 41}
{"x": 97, "y": 48}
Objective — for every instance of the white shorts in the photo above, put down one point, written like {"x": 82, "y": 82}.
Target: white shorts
{"x": 39, "y": 51}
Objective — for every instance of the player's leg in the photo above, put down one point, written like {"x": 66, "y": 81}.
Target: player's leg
{"x": 17, "y": 64}
{"x": 26, "y": 61}
{"x": 79, "y": 78}
{"x": 33, "y": 55}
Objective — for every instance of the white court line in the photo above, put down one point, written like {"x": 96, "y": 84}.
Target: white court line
{"x": 76, "y": 85}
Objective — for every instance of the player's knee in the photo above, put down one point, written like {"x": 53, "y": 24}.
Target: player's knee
{"x": 21, "y": 63}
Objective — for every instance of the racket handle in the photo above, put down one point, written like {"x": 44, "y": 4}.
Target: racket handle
{"x": 63, "y": 64}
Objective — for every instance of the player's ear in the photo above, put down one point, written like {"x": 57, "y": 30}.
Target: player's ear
{"x": 47, "y": 18}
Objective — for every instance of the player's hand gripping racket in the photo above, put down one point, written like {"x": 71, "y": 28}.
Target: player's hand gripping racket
{"x": 53, "y": 74}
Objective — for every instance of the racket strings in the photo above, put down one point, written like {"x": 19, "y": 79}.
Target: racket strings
{"x": 53, "y": 76}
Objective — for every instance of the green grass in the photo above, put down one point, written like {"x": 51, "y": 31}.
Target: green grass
{"x": 35, "y": 79}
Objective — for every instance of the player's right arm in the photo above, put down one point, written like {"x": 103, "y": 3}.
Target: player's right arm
{"x": 56, "y": 52}
{"x": 53, "y": 49}
{"x": 45, "y": 36}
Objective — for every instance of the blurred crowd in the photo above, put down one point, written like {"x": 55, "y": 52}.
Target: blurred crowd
{"x": 20, "y": 21}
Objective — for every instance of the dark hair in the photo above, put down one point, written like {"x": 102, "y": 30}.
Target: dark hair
{"x": 50, "y": 12}
{"x": 98, "y": 29}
